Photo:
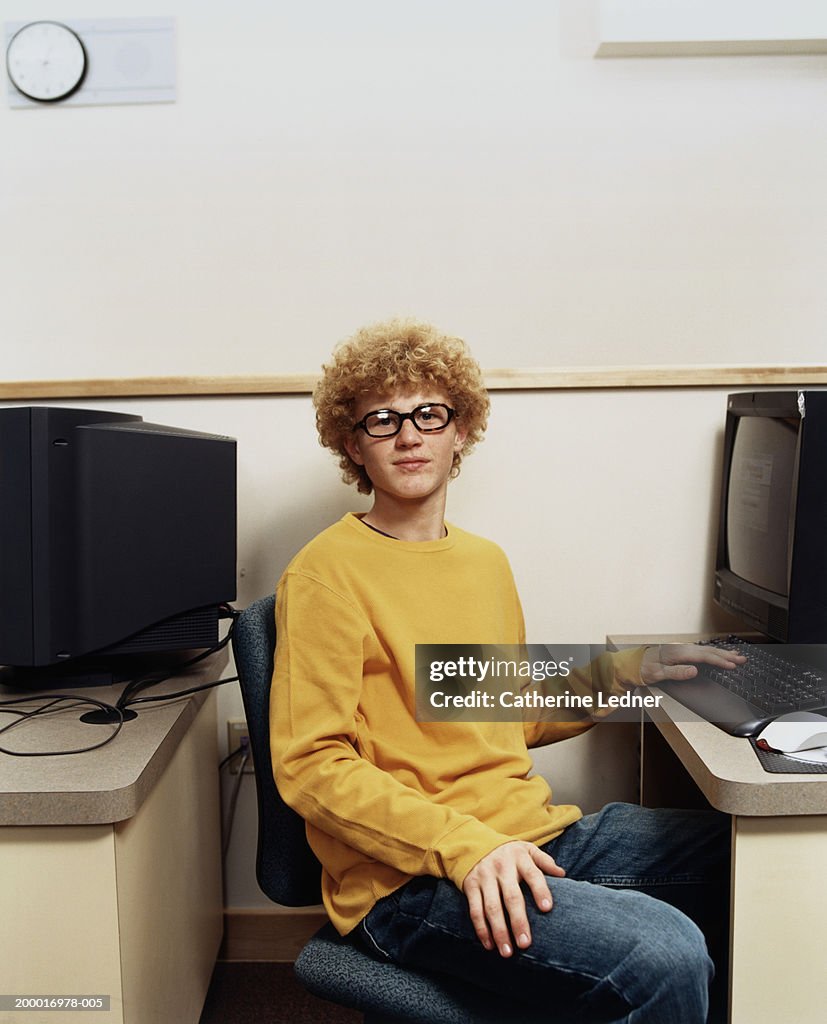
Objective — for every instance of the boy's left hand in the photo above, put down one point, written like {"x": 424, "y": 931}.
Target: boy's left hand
{"x": 675, "y": 661}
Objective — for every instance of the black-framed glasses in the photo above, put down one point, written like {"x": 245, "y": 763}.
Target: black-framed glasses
{"x": 388, "y": 422}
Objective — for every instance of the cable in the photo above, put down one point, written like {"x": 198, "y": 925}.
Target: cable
{"x": 151, "y": 679}
{"x": 238, "y": 750}
{"x": 55, "y": 699}
{"x": 180, "y": 693}
{"x": 59, "y": 702}
{"x": 228, "y": 828}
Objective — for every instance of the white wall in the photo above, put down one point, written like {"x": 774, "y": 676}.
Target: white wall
{"x": 327, "y": 164}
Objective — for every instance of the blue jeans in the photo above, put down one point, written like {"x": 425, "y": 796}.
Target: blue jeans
{"x": 625, "y": 940}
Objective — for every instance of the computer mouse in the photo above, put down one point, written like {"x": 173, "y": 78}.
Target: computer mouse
{"x": 797, "y": 730}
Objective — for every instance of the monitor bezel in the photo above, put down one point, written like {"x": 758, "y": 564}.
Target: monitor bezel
{"x": 801, "y": 615}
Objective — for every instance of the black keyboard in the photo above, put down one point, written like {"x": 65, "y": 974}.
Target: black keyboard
{"x": 773, "y": 681}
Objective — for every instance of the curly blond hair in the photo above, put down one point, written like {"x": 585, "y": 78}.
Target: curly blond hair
{"x": 397, "y": 354}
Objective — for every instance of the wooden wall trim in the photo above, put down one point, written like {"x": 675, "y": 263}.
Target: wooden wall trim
{"x": 538, "y": 379}
{"x": 655, "y": 377}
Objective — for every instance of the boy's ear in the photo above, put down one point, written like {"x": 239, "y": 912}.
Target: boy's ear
{"x": 351, "y": 446}
{"x": 459, "y": 439}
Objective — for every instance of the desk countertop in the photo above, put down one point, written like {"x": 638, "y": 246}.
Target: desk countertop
{"x": 728, "y": 771}
{"x": 104, "y": 785}
{"x": 726, "y": 768}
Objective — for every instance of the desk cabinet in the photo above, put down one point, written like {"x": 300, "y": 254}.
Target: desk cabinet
{"x": 131, "y": 908}
{"x": 778, "y": 903}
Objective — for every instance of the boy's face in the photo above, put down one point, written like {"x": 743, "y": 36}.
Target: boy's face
{"x": 411, "y": 465}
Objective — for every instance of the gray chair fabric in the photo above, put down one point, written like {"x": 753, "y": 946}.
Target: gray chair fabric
{"x": 288, "y": 873}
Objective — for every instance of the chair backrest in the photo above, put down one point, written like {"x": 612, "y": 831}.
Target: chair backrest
{"x": 287, "y": 869}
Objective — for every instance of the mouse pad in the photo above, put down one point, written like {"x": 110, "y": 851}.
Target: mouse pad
{"x": 780, "y": 764}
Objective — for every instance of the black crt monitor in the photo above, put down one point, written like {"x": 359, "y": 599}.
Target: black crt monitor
{"x": 117, "y": 538}
{"x": 771, "y": 563}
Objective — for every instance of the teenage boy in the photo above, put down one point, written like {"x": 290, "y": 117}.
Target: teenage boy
{"x": 440, "y": 849}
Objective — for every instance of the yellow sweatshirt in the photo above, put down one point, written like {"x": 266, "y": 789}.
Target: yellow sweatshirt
{"x": 386, "y": 797}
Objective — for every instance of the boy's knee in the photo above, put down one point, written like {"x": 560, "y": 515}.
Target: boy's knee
{"x": 668, "y": 972}
{"x": 676, "y": 949}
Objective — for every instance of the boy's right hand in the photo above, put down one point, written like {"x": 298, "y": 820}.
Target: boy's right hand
{"x": 495, "y": 899}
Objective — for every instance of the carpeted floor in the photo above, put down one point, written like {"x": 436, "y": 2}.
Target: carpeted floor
{"x": 266, "y": 993}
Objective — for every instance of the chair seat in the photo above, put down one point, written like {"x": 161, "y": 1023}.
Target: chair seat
{"x": 335, "y": 969}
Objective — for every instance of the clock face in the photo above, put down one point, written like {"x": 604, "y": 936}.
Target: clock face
{"x": 46, "y": 61}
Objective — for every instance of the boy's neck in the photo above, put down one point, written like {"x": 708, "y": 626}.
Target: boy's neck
{"x": 407, "y": 522}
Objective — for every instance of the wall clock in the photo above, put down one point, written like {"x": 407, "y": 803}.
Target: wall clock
{"x": 46, "y": 61}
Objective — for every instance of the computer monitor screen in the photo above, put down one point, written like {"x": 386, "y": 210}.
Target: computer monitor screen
{"x": 760, "y": 501}
{"x": 771, "y": 568}
{"x": 116, "y": 536}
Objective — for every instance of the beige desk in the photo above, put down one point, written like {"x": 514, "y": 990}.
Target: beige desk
{"x": 779, "y": 866}
{"x": 110, "y": 862}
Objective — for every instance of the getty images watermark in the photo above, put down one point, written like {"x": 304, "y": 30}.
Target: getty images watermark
{"x": 527, "y": 682}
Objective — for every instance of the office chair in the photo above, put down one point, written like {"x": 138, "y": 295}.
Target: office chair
{"x": 289, "y": 874}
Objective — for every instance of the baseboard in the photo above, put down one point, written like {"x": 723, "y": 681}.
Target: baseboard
{"x": 273, "y": 935}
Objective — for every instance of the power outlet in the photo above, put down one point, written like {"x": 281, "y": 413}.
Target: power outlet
{"x": 238, "y": 734}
